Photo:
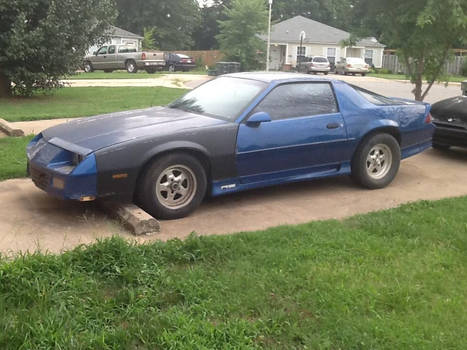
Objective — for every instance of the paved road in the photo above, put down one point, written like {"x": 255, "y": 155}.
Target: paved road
{"x": 30, "y": 219}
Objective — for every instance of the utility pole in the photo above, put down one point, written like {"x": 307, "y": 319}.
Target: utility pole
{"x": 268, "y": 49}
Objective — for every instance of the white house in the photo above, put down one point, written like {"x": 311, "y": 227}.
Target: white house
{"x": 120, "y": 36}
{"x": 320, "y": 40}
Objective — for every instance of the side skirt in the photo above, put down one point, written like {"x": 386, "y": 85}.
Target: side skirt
{"x": 239, "y": 184}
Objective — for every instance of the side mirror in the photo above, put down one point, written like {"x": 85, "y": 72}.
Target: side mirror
{"x": 258, "y": 118}
{"x": 95, "y": 53}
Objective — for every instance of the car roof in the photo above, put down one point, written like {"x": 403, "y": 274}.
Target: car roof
{"x": 269, "y": 77}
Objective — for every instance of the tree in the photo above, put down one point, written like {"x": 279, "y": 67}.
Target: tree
{"x": 238, "y": 37}
{"x": 208, "y": 28}
{"x": 149, "y": 43}
{"x": 174, "y": 21}
{"x": 423, "y": 31}
{"x": 42, "y": 40}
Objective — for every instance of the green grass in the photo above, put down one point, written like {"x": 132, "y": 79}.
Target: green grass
{"x": 452, "y": 78}
{"x": 125, "y": 75}
{"x": 84, "y": 101}
{"x": 13, "y": 157}
{"x": 395, "y": 279}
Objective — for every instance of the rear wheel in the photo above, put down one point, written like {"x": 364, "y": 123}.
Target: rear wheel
{"x": 376, "y": 161}
{"x": 131, "y": 66}
{"x": 151, "y": 70}
{"x": 172, "y": 186}
{"x": 171, "y": 68}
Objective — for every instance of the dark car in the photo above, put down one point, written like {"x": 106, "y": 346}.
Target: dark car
{"x": 450, "y": 119}
{"x": 179, "y": 62}
{"x": 237, "y": 132}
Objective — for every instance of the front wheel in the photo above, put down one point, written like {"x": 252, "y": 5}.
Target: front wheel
{"x": 88, "y": 67}
{"x": 131, "y": 67}
{"x": 376, "y": 161}
{"x": 171, "y": 68}
{"x": 172, "y": 186}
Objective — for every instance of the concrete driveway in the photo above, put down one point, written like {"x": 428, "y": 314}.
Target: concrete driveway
{"x": 31, "y": 220}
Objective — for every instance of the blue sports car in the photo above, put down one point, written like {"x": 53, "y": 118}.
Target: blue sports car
{"x": 236, "y": 132}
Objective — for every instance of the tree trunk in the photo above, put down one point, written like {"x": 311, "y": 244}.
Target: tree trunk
{"x": 5, "y": 86}
{"x": 417, "y": 91}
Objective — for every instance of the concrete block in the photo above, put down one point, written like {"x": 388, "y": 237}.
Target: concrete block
{"x": 132, "y": 217}
{"x": 7, "y": 129}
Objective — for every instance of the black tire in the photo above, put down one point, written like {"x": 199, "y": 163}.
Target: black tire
{"x": 441, "y": 147}
{"x": 88, "y": 68}
{"x": 150, "y": 193}
{"x": 363, "y": 74}
{"x": 325, "y": 73}
{"x": 150, "y": 70}
{"x": 131, "y": 67}
{"x": 368, "y": 159}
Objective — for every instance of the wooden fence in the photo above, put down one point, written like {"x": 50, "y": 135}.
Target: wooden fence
{"x": 204, "y": 58}
{"x": 453, "y": 66}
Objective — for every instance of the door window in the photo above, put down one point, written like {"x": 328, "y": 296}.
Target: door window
{"x": 298, "y": 100}
{"x": 102, "y": 51}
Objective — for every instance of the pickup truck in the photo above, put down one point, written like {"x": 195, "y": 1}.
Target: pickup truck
{"x": 112, "y": 57}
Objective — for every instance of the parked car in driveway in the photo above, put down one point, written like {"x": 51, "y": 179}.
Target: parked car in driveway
{"x": 316, "y": 64}
{"x": 113, "y": 57}
{"x": 450, "y": 119}
{"x": 352, "y": 65}
{"x": 236, "y": 132}
{"x": 179, "y": 62}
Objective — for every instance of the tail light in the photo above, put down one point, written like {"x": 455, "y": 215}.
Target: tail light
{"x": 367, "y": 66}
{"x": 428, "y": 118}
{"x": 143, "y": 56}
{"x": 349, "y": 66}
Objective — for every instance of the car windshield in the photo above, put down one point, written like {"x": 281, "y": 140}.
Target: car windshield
{"x": 225, "y": 98}
{"x": 320, "y": 59}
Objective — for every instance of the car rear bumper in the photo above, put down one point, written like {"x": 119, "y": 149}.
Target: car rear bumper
{"x": 356, "y": 70}
{"x": 450, "y": 136}
{"x": 150, "y": 64}
{"x": 320, "y": 69}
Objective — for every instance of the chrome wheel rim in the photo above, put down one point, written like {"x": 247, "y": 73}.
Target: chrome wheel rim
{"x": 87, "y": 67}
{"x": 176, "y": 187}
{"x": 131, "y": 67}
{"x": 378, "y": 161}
{"x": 171, "y": 69}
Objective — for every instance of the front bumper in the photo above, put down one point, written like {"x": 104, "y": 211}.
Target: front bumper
{"x": 52, "y": 170}
{"x": 450, "y": 135}
{"x": 357, "y": 70}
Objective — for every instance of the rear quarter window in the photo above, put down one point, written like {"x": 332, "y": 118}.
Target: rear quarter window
{"x": 374, "y": 98}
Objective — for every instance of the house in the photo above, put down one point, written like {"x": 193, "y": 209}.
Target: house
{"x": 120, "y": 36}
{"x": 319, "y": 40}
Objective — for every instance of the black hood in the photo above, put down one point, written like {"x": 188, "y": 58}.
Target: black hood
{"x": 454, "y": 109}
{"x": 102, "y": 131}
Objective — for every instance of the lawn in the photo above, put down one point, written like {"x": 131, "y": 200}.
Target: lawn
{"x": 13, "y": 157}
{"x": 452, "y": 78}
{"x": 125, "y": 75}
{"x": 73, "y": 102}
{"x": 395, "y": 279}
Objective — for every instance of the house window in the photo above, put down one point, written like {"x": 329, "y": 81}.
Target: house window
{"x": 301, "y": 51}
{"x": 369, "y": 57}
{"x": 331, "y": 55}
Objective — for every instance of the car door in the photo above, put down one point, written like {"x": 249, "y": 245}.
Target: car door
{"x": 99, "y": 60}
{"x": 306, "y": 133}
{"x": 110, "y": 60}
